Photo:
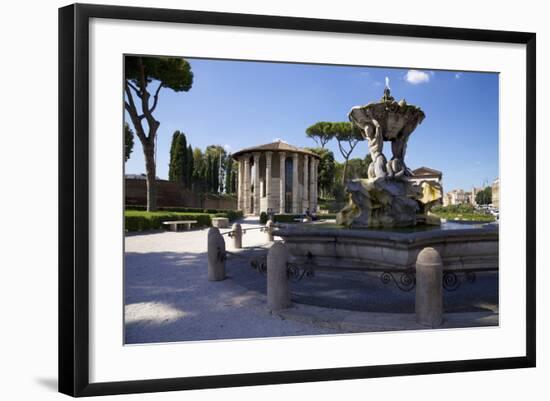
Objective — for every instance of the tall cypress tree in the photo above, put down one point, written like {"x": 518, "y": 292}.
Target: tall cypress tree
{"x": 182, "y": 159}
{"x": 228, "y": 174}
{"x": 190, "y": 167}
{"x": 215, "y": 174}
{"x": 208, "y": 175}
{"x": 171, "y": 164}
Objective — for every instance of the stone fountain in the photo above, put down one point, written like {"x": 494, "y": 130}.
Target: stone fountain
{"x": 388, "y": 198}
{"x": 387, "y": 226}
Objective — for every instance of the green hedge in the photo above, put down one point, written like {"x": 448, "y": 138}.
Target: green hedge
{"x": 229, "y": 213}
{"x": 328, "y": 216}
{"x": 263, "y": 218}
{"x": 135, "y": 220}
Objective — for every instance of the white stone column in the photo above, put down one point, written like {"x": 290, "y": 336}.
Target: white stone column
{"x": 312, "y": 183}
{"x": 268, "y": 178}
{"x": 295, "y": 184}
{"x": 315, "y": 175}
{"x": 240, "y": 197}
{"x": 246, "y": 184}
{"x": 305, "y": 203}
{"x": 282, "y": 158}
{"x": 257, "y": 191}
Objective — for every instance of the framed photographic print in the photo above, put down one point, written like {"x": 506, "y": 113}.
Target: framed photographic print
{"x": 251, "y": 199}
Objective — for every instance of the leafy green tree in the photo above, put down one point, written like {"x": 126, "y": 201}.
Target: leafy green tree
{"x": 199, "y": 170}
{"x": 179, "y": 164}
{"x": 485, "y": 196}
{"x": 359, "y": 168}
{"x": 140, "y": 103}
{"x": 228, "y": 174}
{"x": 128, "y": 141}
{"x": 218, "y": 157}
{"x": 190, "y": 167}
{"x": 348, "y": 137}
{"x": 171, "y": 164}
{"x": 326, "y": 172}
{"x": 320, "y": 132}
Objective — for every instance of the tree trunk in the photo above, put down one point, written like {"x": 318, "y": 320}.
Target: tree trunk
{"x": 345, "y": 172}
{"x": 149, "y": 152}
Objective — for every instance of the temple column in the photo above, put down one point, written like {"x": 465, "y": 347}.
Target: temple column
{"x": 246, "y": 184}
{"x": 305, "y": 203}
{"x": 312, "y": 183}
{"x": 268, "y": 178}
{"x": 295, "y": 184}
{"x": 240, "y": 185}
{"x": 256, "y": 184}
{"x": 315, "y": 196}
{"x": 282, "y": 157}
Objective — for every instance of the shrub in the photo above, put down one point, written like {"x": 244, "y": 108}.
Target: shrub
{"x": 328, "y": 216}
{"x": 263, "y": 218}
{"x": 229, "y": 213}
{"x": 140, "y": 221}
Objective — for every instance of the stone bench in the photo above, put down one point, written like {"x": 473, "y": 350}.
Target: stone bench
{"x": 174, "y": 224}
{"x": 220, "y": 222}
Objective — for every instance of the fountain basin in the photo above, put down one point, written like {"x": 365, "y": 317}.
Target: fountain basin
{"x": 469, "y": 248}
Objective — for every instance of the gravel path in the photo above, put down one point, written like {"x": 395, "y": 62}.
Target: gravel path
{"x": 169, "y": 298}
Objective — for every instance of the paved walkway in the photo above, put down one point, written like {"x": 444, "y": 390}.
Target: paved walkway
{"x": 169, "y": 298}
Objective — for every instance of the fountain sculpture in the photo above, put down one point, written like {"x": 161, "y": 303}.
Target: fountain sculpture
{"x": 387, "y": 224}
{"x": 388, "y": 198}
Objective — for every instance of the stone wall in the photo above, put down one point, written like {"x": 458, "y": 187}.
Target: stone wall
{"x": 174, "y": 194}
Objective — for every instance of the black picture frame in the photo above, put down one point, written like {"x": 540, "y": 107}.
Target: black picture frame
{"x": 74, "y": 201}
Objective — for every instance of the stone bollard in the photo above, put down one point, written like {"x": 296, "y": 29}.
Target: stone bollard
{"x": 269, "y": 230}
{"x": 216, "y": 255}
{"x": 237, "y": 236}
{"x": 429, "y": 288}
{"x": 278, "y": 290}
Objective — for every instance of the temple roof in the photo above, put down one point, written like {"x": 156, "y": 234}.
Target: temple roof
{"x": 278, "y": 146}
{"x": 426, "y": 171}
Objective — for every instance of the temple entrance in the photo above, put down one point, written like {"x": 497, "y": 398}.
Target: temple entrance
{"x": 288, "y": 184}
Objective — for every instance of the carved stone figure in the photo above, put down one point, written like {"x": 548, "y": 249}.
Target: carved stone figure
{"x": 387, "y": 120}
{"x": 387, "y": 198}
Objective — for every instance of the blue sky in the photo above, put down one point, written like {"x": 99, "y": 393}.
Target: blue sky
{"x": 238, "y": 104}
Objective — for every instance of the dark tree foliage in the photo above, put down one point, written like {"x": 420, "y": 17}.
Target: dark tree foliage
{"x": 190, "y": 167}
{"x": 326, "y": 172}
{"x": 179, "y": 164}
{"x": 485, "y": 196}
{"x": 228, "y": 174}
{"x": 142, "y": 73}
{"x": 358, "y": 168}
{"x": 320, "y": 132}
{"x": 171, "y": 170}
{"x": 348, "y": 137}
{"x": 128, "y": 141}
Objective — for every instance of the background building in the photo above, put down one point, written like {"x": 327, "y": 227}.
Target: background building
{"x": 495, "y": 188}
{"x": 276, "y": 176}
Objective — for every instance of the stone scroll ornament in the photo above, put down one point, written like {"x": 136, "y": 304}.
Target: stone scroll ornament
{"x": 387, "y": 198}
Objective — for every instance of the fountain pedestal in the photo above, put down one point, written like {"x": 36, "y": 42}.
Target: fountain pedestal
{"x": 379, "y": 202}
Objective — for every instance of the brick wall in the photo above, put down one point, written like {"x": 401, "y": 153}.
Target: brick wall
{"x": 173, "y": 194}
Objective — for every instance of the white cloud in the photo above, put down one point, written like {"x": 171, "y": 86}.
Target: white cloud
{"x": 279, "y": 140}
{"x": 227, "y": 147}
{"x": 416, "y": 77}
{"x": 458, "y": 75}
